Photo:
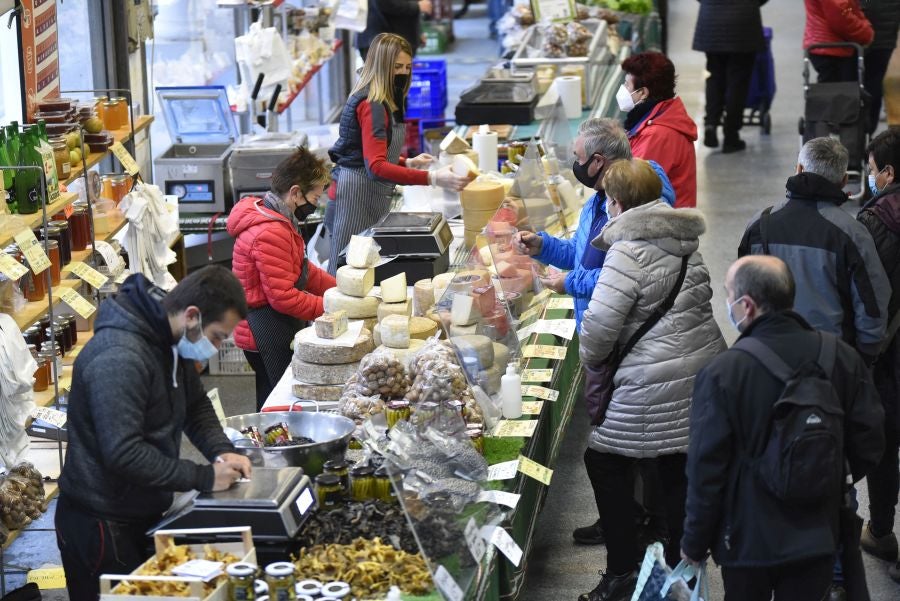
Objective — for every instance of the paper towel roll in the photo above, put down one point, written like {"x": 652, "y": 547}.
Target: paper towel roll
{"x": 569, "y": 88}
{"x": 485, "y": 144}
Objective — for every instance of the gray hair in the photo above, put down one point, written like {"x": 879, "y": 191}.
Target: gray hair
{"x": 826, "y": 157}
{"x": 605, "y": 137}
{"x": 767, "y": 280}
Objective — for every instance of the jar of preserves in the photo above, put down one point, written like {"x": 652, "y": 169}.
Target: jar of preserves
{"x": 51, "y": 247}
{"x": 122, "y": 112}
{"x": 328, "y": 491}
{"x": 282, "y": 580}
{"x": 119, "y": 186}
{"x": 72, "y": 324}
{"x": 362, "y": 483}
{"x": 60, "y": 229}
{"x": 41, "y": 375}
{"x": 397, "y": 411}
{"x": 384, "y": 489}
{"x": 34, "y": 335}
{"x": 61, "y": 156}
{"x": 34, "y": 286}
{"x": 99, "y": 104}
{"x": 341, "y": 469}
{"x": 61, "y": 324}
{"x": 80, "y": 226}
{"x": 53, "y": 355}
{"x": 59, "y": 336}
{"x": 110, "y": 114}
{"x": 241, "y": 581}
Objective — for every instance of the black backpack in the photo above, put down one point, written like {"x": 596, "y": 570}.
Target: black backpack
{"x": 803, "y": 460}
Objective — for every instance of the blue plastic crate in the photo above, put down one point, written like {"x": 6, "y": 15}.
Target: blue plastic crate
{"x": 427, "y": 96}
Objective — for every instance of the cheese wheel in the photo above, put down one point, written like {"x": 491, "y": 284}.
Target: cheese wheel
{"x": 422, "y": 328}
{"x": 486, "y": 195}
{"x": 395, "y": 331}
{"x": 355, "y": 282}
{"x": 490, "y": 380}
{"x": 317, "y": 392}
{"x": 501, "y": 356}
{"x": 385, "y": 309}
{"x": 356, "y": 308}
{"x": 464, "y": 166}
{"x": 312, "y": 349}
{"x": 475, "y": 345}
{"x": 328, "y": 375}
{"x": 473, "y": 277}
{"x": 423, "y": 296}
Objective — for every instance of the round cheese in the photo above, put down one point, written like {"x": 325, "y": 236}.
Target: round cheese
{"x": 475, "y": 345}
{"x": 312, "y": 349}
{"x": 501, "y": 356}
{"x": 395, "y": 331}
{"x": 355, "y": 282}
{"x": 483, "y": 195}
{"x": 356, "y": 308}
{"x": 385, "y": 309}
{"x": 423, "y": 296}
{"x": 422, "y": 328}
{"x": 490, "y": 380}
{"x": 329, "y": 375}
{"x": 317, "y": 392}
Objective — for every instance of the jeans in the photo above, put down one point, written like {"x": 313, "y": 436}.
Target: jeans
{"x": 808, "y": 580}
{"x": 726, "y": 90}
{"x": 91, "y": 546}
{"x": 264, "y": 386}
{"x": 876, "y": 67}
{"x": 612, "y": 477}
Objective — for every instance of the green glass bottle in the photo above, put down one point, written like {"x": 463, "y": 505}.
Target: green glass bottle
{"x": 14, "y": 145}
{"x": 28, "y": 181}
{"x": 9, "y": 175}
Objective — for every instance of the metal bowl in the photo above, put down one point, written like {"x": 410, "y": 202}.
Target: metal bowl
{"x": 330, "y": 432}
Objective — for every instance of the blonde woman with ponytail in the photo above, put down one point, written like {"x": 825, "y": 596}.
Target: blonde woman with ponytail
{"x": 367, "y": 154}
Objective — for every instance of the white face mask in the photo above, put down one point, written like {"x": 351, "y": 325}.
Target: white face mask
{"x": 736, "y": 324}
{"x": 625, "y": 99}
{"x": 202, "y": 350}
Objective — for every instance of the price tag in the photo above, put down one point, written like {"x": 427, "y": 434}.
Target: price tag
{"x": 519, "y": 428}
{"x": 564, "y": 328}
{"x": 33, "y": 251}
{"x": 447, "y": 585}
{"x": 501, "y": 539}
{"x": 503, "y": 471}
{"x": 561, "y": 302}
{"x": 68, "y": 210}
{"x": 532, "y": 407}
{"x": 88, "y": 274}
{"x": 532, "y": 312}
{"x": 537, "y": 375}
{"x": 535, "y": 470}
{"x": 78, "y": 303}
{"x": 499, "y": 497}
{"x": 474, "y": 540}
{"x": 11, "y": 268}
{"x": 48, "y": 578}
{"x": 217, "y": 405}
{"x": 123, "y": 276}
{"x": 128, "y": 162}
{"x": 548, "y": 394}
{"x": 525, "y": 332}
{"x": 65, "y": 383}
{"x": 51, "y": 416}
{"x": 107, "y": 252}
{"x": 545, "y": 351}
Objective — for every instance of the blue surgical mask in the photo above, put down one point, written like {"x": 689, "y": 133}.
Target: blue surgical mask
{"x": 736, "y": 324}
{"x": 202, "y": 350}
{"x": 872, "y": 185}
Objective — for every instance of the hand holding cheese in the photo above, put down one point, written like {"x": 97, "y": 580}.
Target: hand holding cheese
{"x": 446, "y": 178}
{"x": 528, "y": 243}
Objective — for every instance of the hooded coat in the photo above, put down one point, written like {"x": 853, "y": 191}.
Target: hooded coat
{"x": 650, "y": 408}
{"x": 667, "y": 135}
{"x": 268, "y": 258}
{"x": 132, "y": 398}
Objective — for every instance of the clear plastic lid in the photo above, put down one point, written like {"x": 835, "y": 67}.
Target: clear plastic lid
{"x": 197, "y": 114}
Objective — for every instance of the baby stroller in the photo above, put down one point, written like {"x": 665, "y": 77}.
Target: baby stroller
{"x": 762, "y": 88}
{"x": 839, "y": 110}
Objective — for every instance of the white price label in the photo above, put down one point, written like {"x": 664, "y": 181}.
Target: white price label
{"x": 541, "y": 392}
{"x": 537, "y": 375}
{"x": 499, "y": 497}
{"x": 564, "y": 328}
{"x": 11, "y": 268}
{"x": 501, "y": 539}
{"x": 33, "y": 251}
{"x": 474, "y": 540}
{"x": 78, "y": 303}
{"x": 447, "y": 585}
{"x": 88, "y": 274}
{"x": 525, "y": 332}
{"x": 561, "y": 302}
{"x": 128, "y": 162}
{"x": 532, "y": 312}
{"x": 516, "y": 428}
{"x": 503, "y": 471}
{"x": 217, "y": 405}
{"x": 51, "y": 416}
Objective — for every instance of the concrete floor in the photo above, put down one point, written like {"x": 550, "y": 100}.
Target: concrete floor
{"x": 731, "y": 189}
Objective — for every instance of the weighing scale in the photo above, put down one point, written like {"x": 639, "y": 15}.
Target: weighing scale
{"x": 496, "y": 100}
{"x": 274, "y": 503}
{"x": 202, "y": 130}
{"x": 419, "y": 241}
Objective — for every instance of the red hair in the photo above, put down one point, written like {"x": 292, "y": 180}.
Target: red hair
{"x": 654, "y": 71}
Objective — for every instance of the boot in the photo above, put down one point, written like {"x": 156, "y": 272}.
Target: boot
{"x": 612, "y": 588}
{"x": 882, "y": 547}
{"x": 710, "y": 139}
{"x": 589, "y": 535}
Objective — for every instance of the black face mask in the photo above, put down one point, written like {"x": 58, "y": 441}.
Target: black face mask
{"x": 304, "y": 211}
{"x": 400, "y": 81}
{"x": 581, "y": 173}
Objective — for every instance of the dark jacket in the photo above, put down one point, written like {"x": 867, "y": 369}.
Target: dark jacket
{"x": 132, "y": 397}
{"x": 392, "y": 16}
{"x": 884, "y": 15}
{"x": 841, "y": 285}
{"x": 730, "y": 417}
{"x": 729, "y": 26}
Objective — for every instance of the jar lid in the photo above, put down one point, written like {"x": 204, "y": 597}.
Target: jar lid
{"x": 336, "y": 465}
{"x": 280, "y": 569}
{"x": 60, "y": 223}
{"x": 382, "y": 472}
{"x": 241, "y": 569}
{"x": 399, "y": 404}
{"x": 362, "y": 471}
{"x": 51, "y": 243}
{"x": 54, "y": 229}
{"x": 328, "y": 480}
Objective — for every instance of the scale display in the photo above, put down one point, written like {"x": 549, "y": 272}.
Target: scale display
{"x": 192, "y": 191}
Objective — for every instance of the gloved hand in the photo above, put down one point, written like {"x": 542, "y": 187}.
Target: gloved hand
{"x": 421, "y": 161}
{"x": 445, "y": 178}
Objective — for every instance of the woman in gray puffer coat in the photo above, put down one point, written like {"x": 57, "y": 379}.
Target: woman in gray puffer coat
{"x": 647, "y": 419}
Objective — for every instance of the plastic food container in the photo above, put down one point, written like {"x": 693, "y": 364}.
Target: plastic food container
{"x": 52, "y": 116}
{"x": 56, "y": 104}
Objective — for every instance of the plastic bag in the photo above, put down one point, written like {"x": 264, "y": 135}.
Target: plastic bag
{"x": 261, "y": 51}
{"x": 352, "y": 15}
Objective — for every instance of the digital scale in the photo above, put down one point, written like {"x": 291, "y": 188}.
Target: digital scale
{"x": 275, "y": 503}
{"x": 499, "y": 97}
{"x": 419, "y": 241}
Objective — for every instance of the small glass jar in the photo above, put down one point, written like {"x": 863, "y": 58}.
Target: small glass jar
{"x": 328, "y": 491}
{"x": 61, "y": 156}
{"x": 80, "y": 226}
{"x": 41, "y": 375}
{"x": 61, "y": 324}
{"x": 241, "y": 581}
{"x": 282, "y": 580}
{"x": 362, "y": 483}
{"x": 384, "y": 490}
{"x": 64, "y": 237}
{"x": 99, "y": 104}
{"x": 397, "y": 411}
{"x": 51, "y": 247}
{"x": 60, "y": 336}
{"x": 122, "y": 112}
{"x": 34, "y": 286}
{"x": 119, "y": 186}
{"x": 341, "y": 469}
{"x": 53, "y": 355}
{"x": 72, "y": 325}
{"x": 110, "y": 115}
{"x": 34, "y": 335}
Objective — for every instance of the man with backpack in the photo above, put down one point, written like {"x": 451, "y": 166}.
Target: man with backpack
{"x": 775, "y": 420}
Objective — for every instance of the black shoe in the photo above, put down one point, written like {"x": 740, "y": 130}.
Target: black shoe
{"x": 837, "y": 593}
{"x": 612, "y": 588}
{"x": 710, "y": 139}
{"x": 735, "y": 145}
{"x": 882, "y": 547}
{"x": 589, "y": 535}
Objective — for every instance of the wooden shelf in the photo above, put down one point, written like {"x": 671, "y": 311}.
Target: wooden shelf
{"x": 36, "y": 219}
{"x": 33, "y": 311}
{"x": 120, "y": 135}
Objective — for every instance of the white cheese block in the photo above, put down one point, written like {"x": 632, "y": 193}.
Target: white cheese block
{"x": 453, "y": 144}
{"x": 385, "y": 309}
{"x": 501, "y": 356}
{"x": 423, "y": 297}
{"x": 310, "y": 348}
{"x": 463, "y": 330}
{"x": 464, "y": 166}
{"x": 331, "y": 325}
{"x": 476, "y": 345}
{"x": 317, "y": 392}
{"x": 327, "y": 375}
{"x": 395, "y": 331}
{"x": 485, "y": 254}
{"x": 440, "y": 283}
{"x": 356, "y": 308}
{"x": 393, "y": 289}
{"x": 355, "y": 282}
{"x": 463, "y": 312}
{"x": 404, "y": 355}
{"x": 362, "y": 252}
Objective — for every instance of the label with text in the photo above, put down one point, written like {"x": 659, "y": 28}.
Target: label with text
{"x": 474, "y": 540}
{"x": 128, "y": 162}
{"x": 540, "y": 392}
{"x": 545, "y": 351}
{"x": 561, "y": 302}
{"x": 535, "y": 470}
{"x": 564, "y": 328}
{"x": 51, "y": 416}
{"x": 499, "y": 497}
{"x": 78, "y": 303}
{"x": 447, "y": 585}
{"x": 33, "y": 251}
{"x": 11, "y": 268}
{"x": 537, "y": 375}
{"x": 503, "y": 471}
{"x": 519, "y": 428}
{"x": 532, "y": 312}
{"x": 217, "y": 405}
{"x": 540, "y": 297}
{"x": 501, "y": 539}
{"x": 88, "y": 274}
{"x": 532, "y": 407}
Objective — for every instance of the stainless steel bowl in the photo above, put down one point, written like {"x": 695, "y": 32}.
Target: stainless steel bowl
{"x": 330, "y": 432}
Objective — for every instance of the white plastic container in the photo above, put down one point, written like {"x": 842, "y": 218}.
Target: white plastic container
{"x": 511, "y": 393}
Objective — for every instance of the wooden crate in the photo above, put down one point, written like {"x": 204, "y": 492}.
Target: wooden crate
{"x": 244, "y": 551}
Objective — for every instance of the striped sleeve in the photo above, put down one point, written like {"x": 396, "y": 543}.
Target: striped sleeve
{"x": 374, "y": 124}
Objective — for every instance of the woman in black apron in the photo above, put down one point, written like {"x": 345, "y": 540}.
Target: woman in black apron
{"x": 284, "y": 291}
{"x": 367, "y": 154}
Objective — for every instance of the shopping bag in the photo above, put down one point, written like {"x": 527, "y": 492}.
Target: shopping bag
{"x": 598, "y": 386}
{"x": 352, "y": 15}
{"x": 262, "y": 51}
{"x": 683, "y": 573}
{"x": 653, "y": 574}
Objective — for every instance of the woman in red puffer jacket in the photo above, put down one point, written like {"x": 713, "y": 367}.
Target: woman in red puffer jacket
{"x": 830, "y": 21}
{"x": 283, "y": 289}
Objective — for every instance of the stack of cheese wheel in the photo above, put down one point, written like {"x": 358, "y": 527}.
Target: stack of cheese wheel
{"x": 479, "y": 200}
{"x": 354, "y": 283}
{"x": 397, "y": 331}
{"x": 487, "y": 356}
{"x": 321, "y": 367}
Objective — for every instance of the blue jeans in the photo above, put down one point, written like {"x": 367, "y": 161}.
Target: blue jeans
{"x": 496, "y": 9}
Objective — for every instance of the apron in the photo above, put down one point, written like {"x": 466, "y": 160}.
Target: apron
{"x": 360, "y": 201}
{"x": 273, "y": 332}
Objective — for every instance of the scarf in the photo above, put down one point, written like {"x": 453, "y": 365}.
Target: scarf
{"x": 273, "y": 202}
{"x": 636, "y": 115}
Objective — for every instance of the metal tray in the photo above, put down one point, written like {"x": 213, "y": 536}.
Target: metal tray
{"x": 534, "y": 41}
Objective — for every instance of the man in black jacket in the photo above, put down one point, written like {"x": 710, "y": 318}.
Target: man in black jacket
{"x": 135, "y": 390}
{"x": 763, "y": 544}
{"x": 402, "y": 17}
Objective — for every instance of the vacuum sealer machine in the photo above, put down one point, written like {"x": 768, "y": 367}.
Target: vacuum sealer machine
{"x": 254, "y": 158}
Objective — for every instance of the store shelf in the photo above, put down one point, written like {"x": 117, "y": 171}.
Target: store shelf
{"x": 120, "y": 135}
{"x": 305, "y": 81}
{"x": 33, "y": 311}
{"x": 37, "y": 219}
{"x": 116, "y": 226}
